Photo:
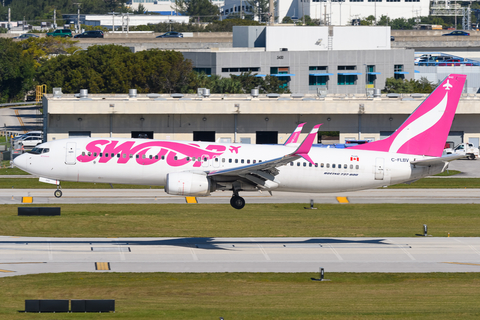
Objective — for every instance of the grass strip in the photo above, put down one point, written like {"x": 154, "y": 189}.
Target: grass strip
{"x": 255, "y": 220}
{"x": 441, "y": 183}
{"x": 252, "y": 295}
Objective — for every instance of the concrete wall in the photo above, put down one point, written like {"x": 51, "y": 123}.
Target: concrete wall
{"x": 249, "y": 37}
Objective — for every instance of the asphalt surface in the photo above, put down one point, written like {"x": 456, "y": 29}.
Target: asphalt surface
{"x": 22, "y": 255}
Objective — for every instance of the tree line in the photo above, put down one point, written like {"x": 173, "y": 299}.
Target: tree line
{"x": 110, "y": 69}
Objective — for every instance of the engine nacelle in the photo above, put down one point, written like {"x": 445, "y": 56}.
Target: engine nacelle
{"x": 187, "y": 184}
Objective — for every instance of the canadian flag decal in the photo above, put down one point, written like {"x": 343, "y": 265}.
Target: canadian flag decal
{"x": 354, "y": 158}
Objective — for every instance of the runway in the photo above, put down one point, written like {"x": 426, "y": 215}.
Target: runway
{"x": 81, "y": 196}
{"x": 23, "y": 255}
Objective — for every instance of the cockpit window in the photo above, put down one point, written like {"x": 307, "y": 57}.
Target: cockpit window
{"x": 39, "y": 150}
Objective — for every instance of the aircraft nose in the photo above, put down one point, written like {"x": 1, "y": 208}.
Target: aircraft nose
{"x": 20, "y": 161}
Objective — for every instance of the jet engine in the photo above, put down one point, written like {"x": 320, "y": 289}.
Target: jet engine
{"x": 188, "y": 184}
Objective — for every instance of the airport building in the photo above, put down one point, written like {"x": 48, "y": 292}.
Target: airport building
{"x": 324, "y": 60}
{"x": 338, "y": 12}
{"x": 263, "y": 119}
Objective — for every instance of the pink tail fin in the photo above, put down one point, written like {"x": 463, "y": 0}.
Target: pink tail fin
{"x": 426, "y": 130}
{"x": 295, "y": 134}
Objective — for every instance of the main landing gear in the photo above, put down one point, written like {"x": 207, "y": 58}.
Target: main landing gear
{"x": 236, "y": 201}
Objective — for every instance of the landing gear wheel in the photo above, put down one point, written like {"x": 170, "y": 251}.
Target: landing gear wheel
{"x": 57, "y": 193}
{"x": 237, "y": 202}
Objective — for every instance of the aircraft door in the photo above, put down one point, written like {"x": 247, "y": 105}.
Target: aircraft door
{"x": 379, "y": 168}
{"x": 71, "y": 157}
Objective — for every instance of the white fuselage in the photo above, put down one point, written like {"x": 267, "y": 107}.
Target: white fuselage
{"x": 147, "y": 162}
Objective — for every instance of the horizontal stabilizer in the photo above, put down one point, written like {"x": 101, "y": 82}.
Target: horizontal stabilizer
{"x": 432, "y": 161}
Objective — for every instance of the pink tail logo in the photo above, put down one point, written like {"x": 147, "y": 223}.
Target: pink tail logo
{"x": 295, "y": 135}
{"x": 426, "y": 130}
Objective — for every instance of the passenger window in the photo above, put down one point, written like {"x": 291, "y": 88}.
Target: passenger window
{"x": 236, "y": 160}
{"x": 298, "y": 164}
{"x": 254, "y": 161}
{"x": 291, "y": 163}
{"x": 137, "y": 156}
{"x": 124, "y": 155}
{"x": 304, "y": 164}
{"x": 150, "y": 157}
{"x": 156, "y": 157}
{"x": 83, "y": 153}
{"x": 248, "y": 161}
{"x": 310, "y": 165}
{"x": 351, "y": 166}
{"x": 100, "y": 155}
{"x": 175, "y": 158}
{"x": 188, "y": 158}
{"x": 144, "y": 156}
{"x": 333, "y": 165}
{"x": 112, "y": 155}
{"x": 118, "y": 155}
{"x": 223, "y": 159}
{"x": 205, "y": 159}
{"x": 216, "y": 159}
{"x": 94, "y": 154}
{"x": 340, "y": 166}
{"x": 229, "y": 160}
{"x": 321, "y": 165}
{"x": 163, "y": 157}
{"x": 131, "y": 156}
{"x": 357, "y": 167}
{"x": 345, "y": 166}
{"x": 316, "y": 165}
{"x": 106, "y": 155}
{"x": 243, "y": 161}
{"x": 328, "y": 165}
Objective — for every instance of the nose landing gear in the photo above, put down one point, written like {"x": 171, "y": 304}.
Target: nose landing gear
{"x": 58, "y": 193}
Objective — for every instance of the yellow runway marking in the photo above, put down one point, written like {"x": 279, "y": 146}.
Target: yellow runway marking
{"x": 342, "y": 200}
{"x": 1, "y": 270}
{"x": 464, "y": 263}
{"x": 191, "y": 199}
{"x": 102, "y": 266}
{"x": 20, "y": 120}
{"x": 27, "y": 199}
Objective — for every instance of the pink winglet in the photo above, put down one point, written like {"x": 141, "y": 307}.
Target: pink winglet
{"x": 304, "y": 148}
{"x": 426, "y": 130}
{"x": 295, "y": 134}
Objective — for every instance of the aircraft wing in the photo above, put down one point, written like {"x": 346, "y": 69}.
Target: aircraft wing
{"x": 260, "y": 173}
{"x": 439, "y": 160}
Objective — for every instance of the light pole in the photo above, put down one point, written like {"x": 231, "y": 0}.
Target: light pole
{"x": 113, "y": 20}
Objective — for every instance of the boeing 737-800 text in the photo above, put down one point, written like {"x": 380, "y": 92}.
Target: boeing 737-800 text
{"x": 413, "y": 151}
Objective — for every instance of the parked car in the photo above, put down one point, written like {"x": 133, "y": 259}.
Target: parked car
{"x": 63, "y": 33}
{"x": 30, "y": 141}
{"x": 392, "y": 38}
{"x": 26, "y": 36}
{"x": 434, "y": 60}
{"x": 171, "y": 34}
{"x": 29, "y": 134}
{"x": 90, "y": 34}
{"x": 457, "y": 33}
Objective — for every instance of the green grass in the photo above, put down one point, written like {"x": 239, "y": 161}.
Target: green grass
{"x": 255, "y": 220}
{"x": 252, "y": 295}
{"x": 441, "y": 183}
{"x": 448, "y": 173}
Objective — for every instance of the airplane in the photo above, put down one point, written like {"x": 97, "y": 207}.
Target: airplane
{"x": 191, "y": 168}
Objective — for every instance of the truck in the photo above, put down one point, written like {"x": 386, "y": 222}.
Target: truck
{"x": 469, "y": 150}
